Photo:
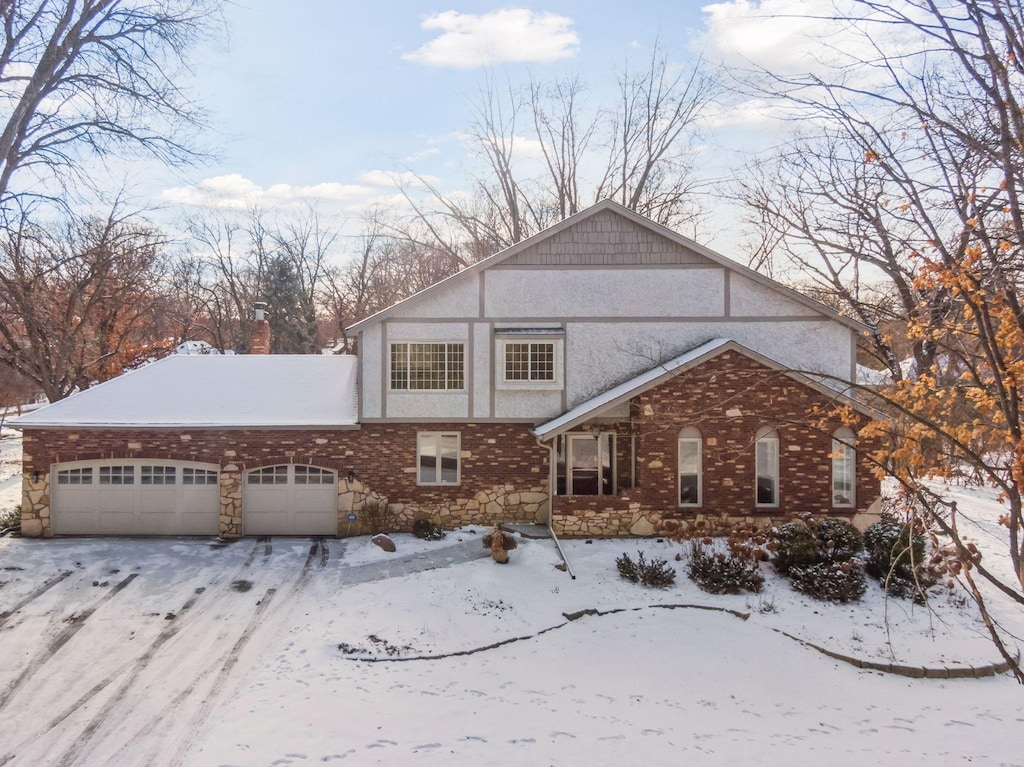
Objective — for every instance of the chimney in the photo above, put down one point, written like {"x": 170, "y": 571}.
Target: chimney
{"x": 259, "y": 335}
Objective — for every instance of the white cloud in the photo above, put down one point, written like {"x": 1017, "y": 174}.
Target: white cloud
{"x": 383, "y": 178}
{"x": 467, "y": 41}
{"x": 235, "y": 192}
{"x": 424, "y": 154}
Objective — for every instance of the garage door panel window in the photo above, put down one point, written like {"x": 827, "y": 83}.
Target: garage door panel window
{"x": 74, "y": 477}
{"x": 158, "y": 475}
{"x": 198, "y": 477}
{"x": 438, "y": 458}
{"x": 311, "y": 475}
{"x": 268, "y": 475}
{"x": 117, "y": 475}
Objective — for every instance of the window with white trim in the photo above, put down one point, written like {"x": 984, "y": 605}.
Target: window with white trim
{"x": 690, "y": 467}
{"x": 311, "y": 475}
{"x": 844, "y": 468}
{"x": 530, "y": 361}
{"x": 268, "y": 475}
{"x": 767, "y": 467}
{"x": 427, "y": 366}
{"x": 190, "y": 476}
{"x": 117, "y": 475}
{"x": 158, "y": 475}
{"x": 74, "y": 476}
{"x": 437, "y": 458}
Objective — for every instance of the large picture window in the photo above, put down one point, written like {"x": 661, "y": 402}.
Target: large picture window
{"x": 844, "y": 463}
{"x": 767, "y": 460}
{"x": 420, "y": 366}
{"x": 690, "y": 481}
{"x": 437, "y": 458}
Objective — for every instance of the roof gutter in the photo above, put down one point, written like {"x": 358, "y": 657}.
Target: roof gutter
{"x": 551, "y": 505}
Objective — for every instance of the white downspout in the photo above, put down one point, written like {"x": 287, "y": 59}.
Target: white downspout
{"x": 552, "y": 481}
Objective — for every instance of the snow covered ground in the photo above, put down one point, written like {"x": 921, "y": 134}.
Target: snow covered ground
{"x": 196, "y": 652}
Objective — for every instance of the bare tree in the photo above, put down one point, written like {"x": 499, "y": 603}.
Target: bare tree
{"x": 79, "y": 300}
{"x": 934, "y": 116}
{"x": 93, "y": 76}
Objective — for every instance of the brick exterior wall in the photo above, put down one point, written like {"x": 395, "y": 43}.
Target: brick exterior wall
{"x": 505, "y": 473}
{"x": 728, "y": 399}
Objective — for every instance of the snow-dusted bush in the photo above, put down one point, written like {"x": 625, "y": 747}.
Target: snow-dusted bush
{"x": 896, "y": 558}
{"x": 793, "y": 545}
{"x": 427, "y": 530}
{"x": 838, "y": 540}
{"x": 10, "y": 521}
{"x": 830, "y": 581}
{"x": 721, "y": 573}
{"x": 658, "y": 572}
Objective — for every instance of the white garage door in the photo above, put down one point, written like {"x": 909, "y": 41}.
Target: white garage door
{"x": 143, "y": 497}
{"x": 290, "y": 500}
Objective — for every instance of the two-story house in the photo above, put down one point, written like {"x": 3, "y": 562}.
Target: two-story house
{"x": 607, "y": 376}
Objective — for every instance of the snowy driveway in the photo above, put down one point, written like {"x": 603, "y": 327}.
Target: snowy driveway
{"x": 117, "y": 651}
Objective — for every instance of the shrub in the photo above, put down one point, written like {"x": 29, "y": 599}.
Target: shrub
{"x": 838, "y": 540}
{"x": 657, "y": 573}
{"x": 830, "y": 581}
{"x": 427, "y": 530}
{"x": 378, "y": 516}
{"x": 794, "y": 546}
{"x": 719, "y": 573}
{"x": 10, "y": 521}
{"x": 896, "y": 557}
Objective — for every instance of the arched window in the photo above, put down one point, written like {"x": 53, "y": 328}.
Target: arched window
{"x": 691, "y": 489}
{"x": 767, "y": 466}
{"x": 844, "y": 468}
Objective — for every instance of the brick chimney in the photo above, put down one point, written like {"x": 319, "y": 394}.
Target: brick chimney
{"x": 259, "y": 333}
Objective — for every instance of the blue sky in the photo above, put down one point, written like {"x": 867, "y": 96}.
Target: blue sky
{"x": 313, "y": 100}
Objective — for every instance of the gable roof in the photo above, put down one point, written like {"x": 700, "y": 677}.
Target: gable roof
{"x": 641, "y": 221}
{"x": 625, "y": 391}
{"x": 197, "y": 391}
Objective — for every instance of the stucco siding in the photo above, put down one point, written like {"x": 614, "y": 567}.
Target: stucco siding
{"x": 421, "y": 405}
{"x": 459, "y": 297}
{"x": 539, "y": 405}
{"x": 514, "y": 293}
{"x": 370, "y": 355}
{"x": 748, "y": 299}
{"x": 604, "y": 354}
{"x": 481, "y": 370}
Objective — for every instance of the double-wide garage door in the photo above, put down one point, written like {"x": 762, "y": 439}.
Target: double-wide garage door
{"x": 144, "y": 497}
{"x": 290, "y": 500}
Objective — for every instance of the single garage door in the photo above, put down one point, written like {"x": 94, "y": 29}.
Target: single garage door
{"x": 290, "y": 500}
{"x": 145, "y": 497}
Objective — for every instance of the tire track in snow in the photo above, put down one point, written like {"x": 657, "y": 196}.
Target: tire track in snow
{"x": 75, "y": 624}
{"x": 222, "y": 671}
{"x": 4, "y": 616}
{"x": 101, "y": 717}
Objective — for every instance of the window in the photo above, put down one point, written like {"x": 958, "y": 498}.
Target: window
{"x": 158, "y": 475}
{"x": 74, "y": 477}
{"x": 767, "y": 460}
{"x": 690, "y": 445}
{"x": 437, "y": 458}
{"x": 311, "y": 475}
{"x": 427, "y": 367}
{"x": 117, "y": 475}
{"x": 585, "y": 464}
{"x": 198, "y": 477}
{"x": 268, "y": 475}
{"x": 530, "y": 361}
{"x": 844, "y": 468}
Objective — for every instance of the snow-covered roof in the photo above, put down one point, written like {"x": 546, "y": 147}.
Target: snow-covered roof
{"x": 216, "y": 390}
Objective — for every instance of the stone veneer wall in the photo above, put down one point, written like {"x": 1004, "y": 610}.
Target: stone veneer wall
{"x": 504, "y": 471}
{"x": 728, "y": 398}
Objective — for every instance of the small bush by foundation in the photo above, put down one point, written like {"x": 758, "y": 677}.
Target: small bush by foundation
{"x": 830, "y": 581}
{"x": 793, "y": 545}
{"x": 657, "y": 573}
{"x": 427, "y": 530}
{"x": 896, "y": 558}
{"x": 720, "y": 573}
